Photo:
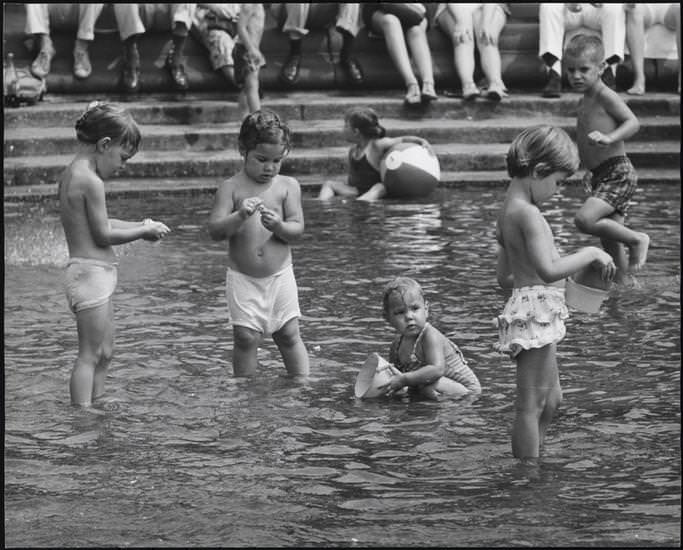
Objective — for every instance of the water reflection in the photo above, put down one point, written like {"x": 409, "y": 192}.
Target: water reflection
{"x": 180, "y": 453}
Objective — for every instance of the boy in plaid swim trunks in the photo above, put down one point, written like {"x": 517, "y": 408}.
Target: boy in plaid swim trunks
{"x": 604, "y": 121}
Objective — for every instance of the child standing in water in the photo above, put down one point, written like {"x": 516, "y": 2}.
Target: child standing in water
{"x": 532, "y": 322}
{"x": 260, "y": 213}
{"x": 107, "y": 137}
{"x": 430, "y": 363}
{"x": 604, "y": 122}
{"x": 362, "y": 128}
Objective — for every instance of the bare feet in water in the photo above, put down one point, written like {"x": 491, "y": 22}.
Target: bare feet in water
{"x": 638, "y": 252}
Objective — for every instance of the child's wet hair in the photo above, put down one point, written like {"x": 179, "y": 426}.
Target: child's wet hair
{"x": 366, "y": 121}
{"x": 264, "y": 126}
{"x": 400, "y": 285}
{"x": 101, "y": 120}
{"x": 544, "y": 144}
{"x": 585, "y": 44}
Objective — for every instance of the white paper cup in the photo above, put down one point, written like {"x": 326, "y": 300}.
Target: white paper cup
{"x": 583, "y": 298}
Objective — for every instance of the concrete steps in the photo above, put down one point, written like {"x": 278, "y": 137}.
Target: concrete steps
{"x": 194, "y": 139}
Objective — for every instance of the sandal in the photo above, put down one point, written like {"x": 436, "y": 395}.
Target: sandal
{"x": 470, "y": 91}
{"x": 413, "y": 96}
{"x": 428, "y": 93}
{"x": 496, "y": 92}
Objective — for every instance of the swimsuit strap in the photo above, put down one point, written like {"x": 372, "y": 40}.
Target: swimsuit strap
{"x": 413, "y": 356}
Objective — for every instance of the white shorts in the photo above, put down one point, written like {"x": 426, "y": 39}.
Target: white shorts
{"x": 89, "y": 283}
{"x": 264, "y": 304}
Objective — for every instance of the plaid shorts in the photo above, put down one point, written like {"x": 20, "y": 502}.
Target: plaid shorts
{"x": 614, "y": 181}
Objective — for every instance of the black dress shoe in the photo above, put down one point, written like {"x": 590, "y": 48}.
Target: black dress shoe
{"x": 177, "y": 70}
{"x": 553, "y": 87}
{"x": 353, "y": 70}
{"x": 130, "y": 76}
{"x": 608, "y": 79}
{"x": 290, "y": 70}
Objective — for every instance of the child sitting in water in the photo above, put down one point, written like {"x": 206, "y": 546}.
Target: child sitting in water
{"x": 362, "y": 128}
{"x": 430, "y": 363}
{"x": 532, "y": 322}
{"x": 107, "y": 137}
{"x": 604, "y": 122}
{"x": 260, "y": 213}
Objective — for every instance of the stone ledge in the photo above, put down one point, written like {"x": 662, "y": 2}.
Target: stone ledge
{"x": 309, "y": 184}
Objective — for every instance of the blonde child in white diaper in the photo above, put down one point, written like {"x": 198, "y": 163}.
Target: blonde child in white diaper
{"x": 532, "y": 322}
{"x": 260, "y": 213}
{"x": 107, "y": 137}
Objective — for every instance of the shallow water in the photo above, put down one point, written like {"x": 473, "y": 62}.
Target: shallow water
{"x": 179, "y": 452}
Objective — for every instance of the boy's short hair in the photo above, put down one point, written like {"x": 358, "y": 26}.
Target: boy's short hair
{"x": 542, "y": 144}
{"x": 264, "y": 126}
{"x": 587, "y": 44}
{"x": 400, "y": 285}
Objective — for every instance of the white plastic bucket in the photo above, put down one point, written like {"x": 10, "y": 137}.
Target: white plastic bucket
{"x": 583, "y": 298}
{"x": 374, "y": 373}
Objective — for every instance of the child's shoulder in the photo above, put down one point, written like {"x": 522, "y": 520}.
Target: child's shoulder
{"x": 608, "y": 97}
{"x": 288, "y": 182}
{"x": 79, "y": 175}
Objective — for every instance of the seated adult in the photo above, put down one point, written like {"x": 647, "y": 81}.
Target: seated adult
{"x": 134, "y": 19}
{"x": 403, "y": 26}
{"x": 232, "y": 35}
{"x": 639, "y": 18}
{"x": 41, "y": 17}
{"x": 215, "y": 26}
{"x": 465, "y": 23}
{"x": 297, "y": 19}
{"x": 557, "y": 19}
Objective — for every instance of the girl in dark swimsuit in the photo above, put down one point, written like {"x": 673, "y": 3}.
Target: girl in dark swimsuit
{"x": 362, "y": 128}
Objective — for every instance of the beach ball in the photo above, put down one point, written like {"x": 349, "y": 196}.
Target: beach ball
{"x": 409, "y": 170}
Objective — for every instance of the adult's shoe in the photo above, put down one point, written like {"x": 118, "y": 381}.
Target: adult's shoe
{"x": 130, "y": 75}
{"x": 553, "y": 86}
{"x": 290, "y": 70}
{"x": 353, "y": 70}
{"x": 82, "y": 66}
{"x": 177, "y": 70}
{"x": 40, "y": 67}
{"x": 608, "y": 79}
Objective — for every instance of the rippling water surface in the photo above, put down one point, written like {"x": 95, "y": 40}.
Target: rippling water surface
{"x": 181, "y": 453}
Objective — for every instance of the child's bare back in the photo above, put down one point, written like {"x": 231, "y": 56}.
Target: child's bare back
{"x": 81, "y": 193}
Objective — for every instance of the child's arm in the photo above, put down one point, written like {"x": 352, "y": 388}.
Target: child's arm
{"x": 621, "y": 113}
{"x": 503, "y": 271}
{"x": 291, "y": 226}
{"x": 106, "y": 232}
{"x": 545, "y": 259}
{"x": 434, "y": 368}
{"x": 223, "y": 222}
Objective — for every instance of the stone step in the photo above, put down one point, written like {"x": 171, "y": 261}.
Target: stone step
{"x": 323, "y": 161}
{"x": 310, "y": 184}
{"x": 28, "y": 141}
{"x": 203, "y": 108}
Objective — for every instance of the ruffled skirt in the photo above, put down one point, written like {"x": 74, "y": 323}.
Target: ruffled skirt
{"x": 532, "y": 318}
